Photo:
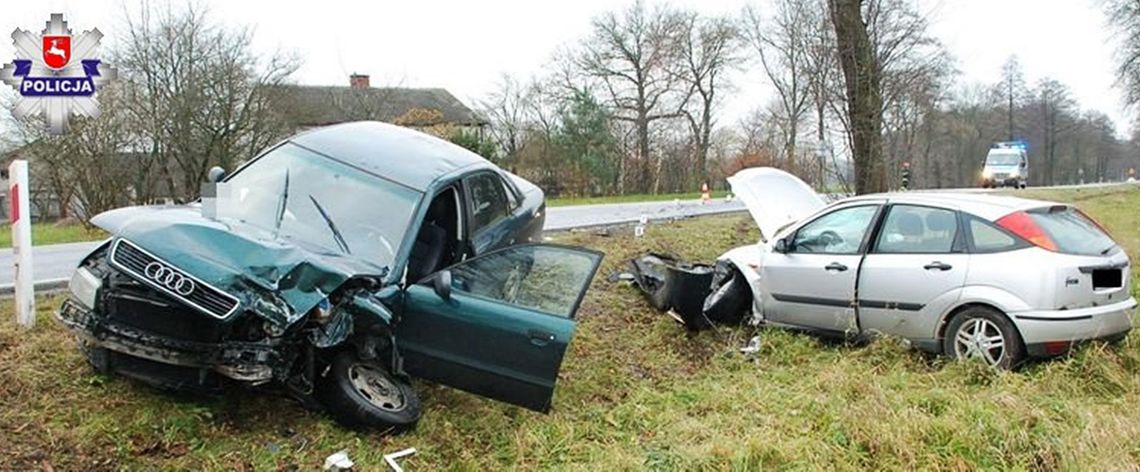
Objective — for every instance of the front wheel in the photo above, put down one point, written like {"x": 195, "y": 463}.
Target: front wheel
{"x": 362, "y": 394}
{"x": 982, "y": 333}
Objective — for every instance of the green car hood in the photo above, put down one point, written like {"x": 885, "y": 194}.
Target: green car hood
{"x": 279, "y": 280}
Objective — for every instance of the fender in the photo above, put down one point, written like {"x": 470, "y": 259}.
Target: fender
{"x": 1001, "y": 299}
{"x": 747, "y": 259}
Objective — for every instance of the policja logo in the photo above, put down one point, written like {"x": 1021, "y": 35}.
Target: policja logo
{"x": 49, "y": 79}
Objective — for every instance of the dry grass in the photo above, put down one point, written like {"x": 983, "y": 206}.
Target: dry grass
{"x": 636, "y": 392}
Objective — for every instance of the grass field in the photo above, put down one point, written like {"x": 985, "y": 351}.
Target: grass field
{"x": 53, "y": 233}
{"x": 636, "y": 392}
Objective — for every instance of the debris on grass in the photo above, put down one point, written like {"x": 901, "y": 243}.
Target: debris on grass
{"x": 339, "y": 461}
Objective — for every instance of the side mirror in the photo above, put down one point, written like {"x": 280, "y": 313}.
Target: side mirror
{"x": 781, "y": 246}
{"x": 216, "y": 174}
{"x": 442, "y": 284}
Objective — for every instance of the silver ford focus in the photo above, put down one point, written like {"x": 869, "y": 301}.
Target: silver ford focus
{"x": 968, "y": 275}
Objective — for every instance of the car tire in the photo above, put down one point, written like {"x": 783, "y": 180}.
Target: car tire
{"x": 98, "y": 357}
{"x": 981, "y": 332}
{"x": 362, "y": 394}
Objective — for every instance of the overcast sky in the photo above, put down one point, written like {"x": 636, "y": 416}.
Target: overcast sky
{"x": 465, "y": 46}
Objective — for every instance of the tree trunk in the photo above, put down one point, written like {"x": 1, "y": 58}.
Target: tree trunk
{"x": 864, "y": 94}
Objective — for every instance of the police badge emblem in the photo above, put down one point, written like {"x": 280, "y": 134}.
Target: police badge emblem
{"x": 56, "y": 74}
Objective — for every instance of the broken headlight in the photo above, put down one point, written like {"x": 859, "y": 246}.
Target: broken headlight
{"x": 84, "y": 286}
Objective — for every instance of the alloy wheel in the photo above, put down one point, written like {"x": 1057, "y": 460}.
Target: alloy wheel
{"x": 980, "y": 338}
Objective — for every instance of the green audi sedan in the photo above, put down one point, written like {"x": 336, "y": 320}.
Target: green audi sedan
{"x": 336, "y": 266}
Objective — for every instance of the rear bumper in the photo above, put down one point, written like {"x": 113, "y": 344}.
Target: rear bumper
{"x": 1106, "y": 321}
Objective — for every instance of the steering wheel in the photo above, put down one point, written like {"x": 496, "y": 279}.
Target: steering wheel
{"x": 830, "y": 238}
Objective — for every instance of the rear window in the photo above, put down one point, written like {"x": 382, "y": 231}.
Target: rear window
{"x": 1072, "y": 231}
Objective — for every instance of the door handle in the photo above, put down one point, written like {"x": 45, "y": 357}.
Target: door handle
{"x": 938, "y": 265}
{"x": 539, "y": 337}
{"x": 835, "y": 266}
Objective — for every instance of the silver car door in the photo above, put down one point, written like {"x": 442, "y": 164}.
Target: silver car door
{"x": 913, "y": 272}
{"x": 812, "y": 283}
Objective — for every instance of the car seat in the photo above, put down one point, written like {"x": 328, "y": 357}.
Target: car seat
{"x": 427, "y": 252}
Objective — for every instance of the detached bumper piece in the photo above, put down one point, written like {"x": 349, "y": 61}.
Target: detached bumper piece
{"x": 674, "y": 286}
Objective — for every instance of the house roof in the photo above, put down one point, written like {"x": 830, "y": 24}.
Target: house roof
{"x": 309, "y": 105}
{"x": 406, "y": 156}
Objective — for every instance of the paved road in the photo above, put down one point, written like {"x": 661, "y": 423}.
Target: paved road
{"x": 53, "y": 264}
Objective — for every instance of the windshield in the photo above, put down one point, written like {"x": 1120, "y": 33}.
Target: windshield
{"x": 302, "y": 196}
{"x": 1006, "y": 158}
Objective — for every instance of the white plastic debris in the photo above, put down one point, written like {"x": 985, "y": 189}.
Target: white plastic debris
{"x": 728, "y": 197}
{"x": 753, "y": 346}
{"x": 339, "y": 461}
{"x": 677, "y": 202}
{"x": 391, "y": 458}
{"x": 639, "y": 230}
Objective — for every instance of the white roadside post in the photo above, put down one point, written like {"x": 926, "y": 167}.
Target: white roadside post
{"x": 21, "y": 217}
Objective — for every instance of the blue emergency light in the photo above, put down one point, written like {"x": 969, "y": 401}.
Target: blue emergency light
{"x": 1019, "y": 144}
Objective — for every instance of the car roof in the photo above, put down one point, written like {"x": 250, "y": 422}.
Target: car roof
{"x": 984, "y": 205}
{"x": 403, "y": 155}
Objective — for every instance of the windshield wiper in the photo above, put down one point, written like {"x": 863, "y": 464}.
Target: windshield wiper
{"x": 281, "y": 206}
{"x": 332, "y": 226}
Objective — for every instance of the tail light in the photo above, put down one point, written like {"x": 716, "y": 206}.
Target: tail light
{"x": 1021, "y": 224}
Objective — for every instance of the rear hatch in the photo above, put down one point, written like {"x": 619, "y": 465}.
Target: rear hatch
{"x": 1092, "y": 270}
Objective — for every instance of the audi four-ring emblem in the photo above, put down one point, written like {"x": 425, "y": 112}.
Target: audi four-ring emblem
{"x": 169, "y": 278}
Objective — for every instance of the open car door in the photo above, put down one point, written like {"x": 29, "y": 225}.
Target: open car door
{"x": 497, "y": 325}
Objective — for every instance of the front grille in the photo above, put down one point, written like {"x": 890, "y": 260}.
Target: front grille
{"x": 134, "y": 304}
{"x": 197, "y": 294}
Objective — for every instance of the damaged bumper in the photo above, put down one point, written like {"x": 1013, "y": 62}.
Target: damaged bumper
{"x": 192, "y": 363}
{"x": 696, "y": 295}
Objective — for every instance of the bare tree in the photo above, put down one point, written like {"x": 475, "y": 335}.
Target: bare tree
{"x": 199, "y": 94}
{"x": 823, "y": 74}
{"x": 1054, "y": 106}
{"x": 82, "y": 171}
{"x": 1124, "y": 17}
{"x": 707, "y": 49}
{"x": 628, "y": 54}
{"x": 861, "y": 71}
{"x": 1012, "y": 90}
{"x": 781, "y": 44}
{"x": 508, "y": 110}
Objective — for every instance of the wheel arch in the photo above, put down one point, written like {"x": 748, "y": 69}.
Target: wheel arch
{"x": 940, "y": 330}
{"x": 733, "y": 260}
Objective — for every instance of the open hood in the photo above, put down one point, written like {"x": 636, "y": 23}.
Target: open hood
{"x": 774, "y": 198}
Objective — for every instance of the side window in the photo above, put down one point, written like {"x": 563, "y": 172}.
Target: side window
{"x": 918, "y": 230}
{"x": 550, "y": 279}
{"x": 838, "y": 232}
{"x": 987, "y": 238}
{"x": 512, "y": 200}
{"x": 488, "y": 199}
